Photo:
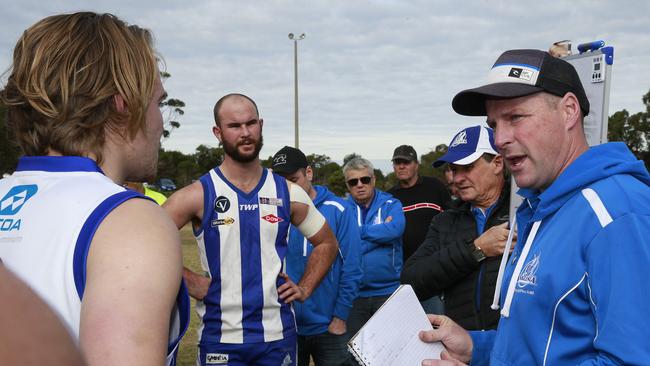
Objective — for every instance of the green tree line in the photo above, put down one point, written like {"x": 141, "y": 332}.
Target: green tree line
{"x": 633, "y": 129}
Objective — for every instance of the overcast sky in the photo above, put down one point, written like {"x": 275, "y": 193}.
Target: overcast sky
{"x": 372, "y": 74}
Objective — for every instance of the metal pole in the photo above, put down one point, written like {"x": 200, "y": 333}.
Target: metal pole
{"x": 295, "y": 89}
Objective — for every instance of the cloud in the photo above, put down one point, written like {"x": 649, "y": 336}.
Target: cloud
{"x": 372, "y": 74}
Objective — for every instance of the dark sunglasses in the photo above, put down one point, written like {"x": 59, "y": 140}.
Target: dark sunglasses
{"x": 354, "y": 181}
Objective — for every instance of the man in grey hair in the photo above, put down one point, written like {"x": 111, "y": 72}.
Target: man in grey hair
{"x": 381, "y": 225}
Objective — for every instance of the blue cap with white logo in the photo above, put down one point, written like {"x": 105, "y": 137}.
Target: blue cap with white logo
{"x": 468, "y": 145}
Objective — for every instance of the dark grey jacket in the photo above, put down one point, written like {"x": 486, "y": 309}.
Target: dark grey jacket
{"x": 444, "y": 265}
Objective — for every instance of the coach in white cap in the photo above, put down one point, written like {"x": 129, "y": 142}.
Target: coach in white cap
{"x": 460, "y": 255}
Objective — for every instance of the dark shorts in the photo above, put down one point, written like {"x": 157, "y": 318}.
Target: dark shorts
{"x": 276, "y": 353}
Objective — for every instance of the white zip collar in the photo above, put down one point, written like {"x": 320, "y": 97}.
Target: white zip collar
{"x": 505, "y": 311}
{"x": 502, "y": 265}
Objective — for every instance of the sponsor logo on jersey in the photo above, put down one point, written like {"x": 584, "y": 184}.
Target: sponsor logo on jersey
{"x": 17, "y": 196}
{"x": 221, "y": 204}
{"x": 272, "y": 218}
{"x": 271, "y": 201}
{"x": 216, "y": 358}
{"x": 9, "y": 224}
{"x": 248, "y": 207}
{"x": 11, "y": 204}
{"x": 223, "y": 221}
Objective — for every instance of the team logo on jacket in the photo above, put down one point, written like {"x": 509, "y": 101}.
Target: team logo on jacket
{"x": 221, "y": 204}
{"x": 17, "y": 196}
{"x": 527, "y": 276}
{"x": 272, "y": 218}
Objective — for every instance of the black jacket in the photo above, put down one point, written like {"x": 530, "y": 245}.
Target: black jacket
{"x": 420, "y": 203}
{"x": 444, "y": 265}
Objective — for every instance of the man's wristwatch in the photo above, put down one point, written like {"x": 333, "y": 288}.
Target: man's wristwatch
{"x": 477, "y": 253}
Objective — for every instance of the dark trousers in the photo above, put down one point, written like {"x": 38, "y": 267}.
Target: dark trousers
{"x": 326, "y": 349}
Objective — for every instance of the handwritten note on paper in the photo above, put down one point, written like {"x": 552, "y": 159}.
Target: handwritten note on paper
{"x": 390, "y": 337}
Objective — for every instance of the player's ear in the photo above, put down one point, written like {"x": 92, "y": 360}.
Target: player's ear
{"x": 216, "y": 130}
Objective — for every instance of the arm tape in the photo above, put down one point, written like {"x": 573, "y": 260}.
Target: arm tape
{"x": 314, "y": 220}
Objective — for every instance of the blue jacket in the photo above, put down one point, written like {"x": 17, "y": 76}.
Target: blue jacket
{"x": 581, "y": 296}
{"x": 381, "y": 244}
{"x": 339, "y": 288}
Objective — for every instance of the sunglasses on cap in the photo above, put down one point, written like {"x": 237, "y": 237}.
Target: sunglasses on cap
{"x": 354, "y": 181}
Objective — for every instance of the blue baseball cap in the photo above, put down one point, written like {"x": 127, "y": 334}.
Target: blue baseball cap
{"x": 468, "y": 145}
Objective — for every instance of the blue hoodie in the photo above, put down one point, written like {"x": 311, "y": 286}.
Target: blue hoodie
{"x": 581, "y": 296}
{"x": 381, "y": 244}
{"x": 339, "y": 288}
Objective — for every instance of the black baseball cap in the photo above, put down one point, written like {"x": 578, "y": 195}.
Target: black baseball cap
{"x": 518, "y": 73}
{"x": 288, "y": 160}
{"x": 405, "y": 152}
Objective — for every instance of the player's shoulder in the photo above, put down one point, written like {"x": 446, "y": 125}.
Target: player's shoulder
{"x": 139, "y": 226}
{"x": 140, "y": 213}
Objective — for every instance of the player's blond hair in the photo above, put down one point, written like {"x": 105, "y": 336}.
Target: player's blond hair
{"x": 66, "y": 71}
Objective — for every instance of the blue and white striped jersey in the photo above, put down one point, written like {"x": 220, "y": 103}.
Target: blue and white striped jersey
{"x": 243, "y": 242}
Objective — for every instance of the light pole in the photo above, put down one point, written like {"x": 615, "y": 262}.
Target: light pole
{"x": 295, "y": 40}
